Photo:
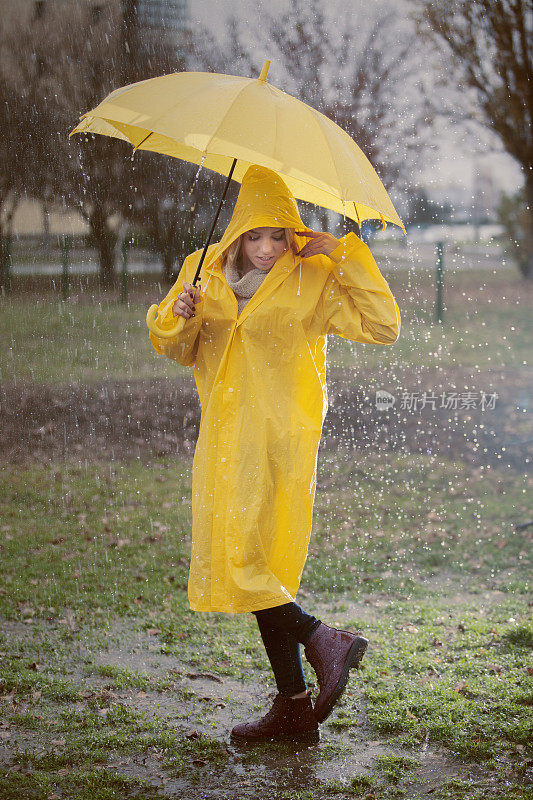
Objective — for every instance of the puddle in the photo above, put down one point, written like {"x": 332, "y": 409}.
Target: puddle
{"x": 211, "y": 705}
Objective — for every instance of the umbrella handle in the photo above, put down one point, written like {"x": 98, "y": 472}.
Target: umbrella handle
{"x": 154, "y": 327}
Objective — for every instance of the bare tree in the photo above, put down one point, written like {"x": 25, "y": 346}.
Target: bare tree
{"x": 59, "y": 76}
{"x": 487, "y": 46}
{"x": 93, "y": 174}
{"x": 12, "y": 169}
{"x": 172, "y": 207}
{"x": 23, "y": 141}
{"x": 363, "y": 77}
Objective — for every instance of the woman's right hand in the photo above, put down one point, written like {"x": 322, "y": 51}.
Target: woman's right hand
{"x": 184, "y": 305}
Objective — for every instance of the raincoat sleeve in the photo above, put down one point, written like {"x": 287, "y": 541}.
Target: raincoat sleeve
{"x": 184, "y": 346}
{"x": 356, "y": 302}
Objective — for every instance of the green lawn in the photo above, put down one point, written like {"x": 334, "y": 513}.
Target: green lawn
{"x": 110, "y": 687}
{"x": 423, "y": 557}
{"x": 50, "y": 341}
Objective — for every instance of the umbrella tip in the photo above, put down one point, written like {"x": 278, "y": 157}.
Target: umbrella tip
{"x": 264, "y": 72}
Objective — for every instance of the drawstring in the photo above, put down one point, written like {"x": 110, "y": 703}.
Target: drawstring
{"x": 207, "y": 284}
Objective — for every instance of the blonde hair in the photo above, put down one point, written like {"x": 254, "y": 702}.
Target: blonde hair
{"x": 232, "y": 254}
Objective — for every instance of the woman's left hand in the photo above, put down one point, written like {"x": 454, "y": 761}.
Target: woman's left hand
{"x": 320, "y": 244}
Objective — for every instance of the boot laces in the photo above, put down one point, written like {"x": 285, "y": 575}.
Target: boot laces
{"x": 275, "y": 711}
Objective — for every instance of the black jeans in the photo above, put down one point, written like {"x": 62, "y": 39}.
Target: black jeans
{"x": 282, "y": 629}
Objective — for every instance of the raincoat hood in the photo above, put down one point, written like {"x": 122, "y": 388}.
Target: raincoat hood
{"x": 264, "y": 200}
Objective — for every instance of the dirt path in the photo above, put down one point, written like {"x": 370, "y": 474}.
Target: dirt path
{"x": 147, "y": 418}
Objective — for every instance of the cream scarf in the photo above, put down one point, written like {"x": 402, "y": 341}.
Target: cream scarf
{"x": 244, "y": 286}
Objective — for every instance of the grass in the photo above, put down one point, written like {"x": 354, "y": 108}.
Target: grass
{"x": 111, "y": 687}
{"x": 487, "y": 326}
{"x": 117, "y": 535}
{"x": 91, "y": 553}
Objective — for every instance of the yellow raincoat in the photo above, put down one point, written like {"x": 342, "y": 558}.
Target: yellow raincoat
{"x": 261, "y": 380}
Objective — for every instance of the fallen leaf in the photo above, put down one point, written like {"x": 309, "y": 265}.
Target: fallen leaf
{"x": 207, "y": 675}
{"x": 460, "y": 686}
{"x": 71, "y": 622}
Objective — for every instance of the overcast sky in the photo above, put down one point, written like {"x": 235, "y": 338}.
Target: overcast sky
{"x": 457, "y": 162}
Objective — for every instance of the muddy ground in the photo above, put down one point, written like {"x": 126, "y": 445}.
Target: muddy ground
{"x": 196, "y": 699}
{"x": 155, "y": 417}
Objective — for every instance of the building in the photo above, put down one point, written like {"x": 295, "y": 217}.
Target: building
{"x": 167, "y": 15}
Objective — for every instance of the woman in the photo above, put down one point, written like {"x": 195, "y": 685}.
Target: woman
{"x": 256, "y": 335}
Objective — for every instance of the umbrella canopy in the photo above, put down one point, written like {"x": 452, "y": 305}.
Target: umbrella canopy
{"x": 212, "y": 119}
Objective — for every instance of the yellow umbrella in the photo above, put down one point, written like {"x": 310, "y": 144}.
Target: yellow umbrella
{"x": 227, "y": 123}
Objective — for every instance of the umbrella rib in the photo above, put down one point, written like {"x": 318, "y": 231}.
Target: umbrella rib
{"x": 222, "y": 119}
{"x": 275, "y": 121}
{"x": 332, "y": 161}
{"x": 194, "y": 92}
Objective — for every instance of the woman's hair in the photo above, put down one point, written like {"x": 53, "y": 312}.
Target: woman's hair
{"x": 232, "y": 254}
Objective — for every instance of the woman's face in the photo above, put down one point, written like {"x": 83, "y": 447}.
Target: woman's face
{"x": 261, "y": 247}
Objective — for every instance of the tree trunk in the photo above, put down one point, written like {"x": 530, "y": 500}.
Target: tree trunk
{"x": 106, "y": 251}
{"x": 526, "y": 263}
{"x": 105, "y": 240}
{"x": 167, "y": 255}
{"x": 4, "y": 278}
